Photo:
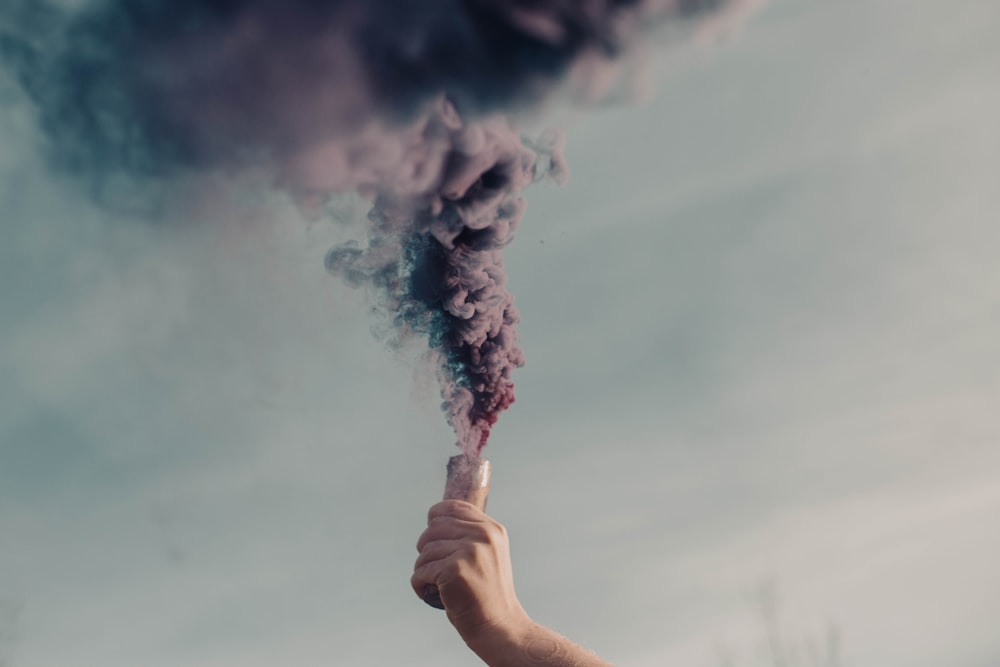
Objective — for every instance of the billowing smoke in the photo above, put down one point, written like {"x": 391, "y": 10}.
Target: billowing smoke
{"x": 401, "y": 101}
{"x": 435, "y": 252}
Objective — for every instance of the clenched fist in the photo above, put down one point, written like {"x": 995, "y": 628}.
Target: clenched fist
{"x": 465, "y": 553}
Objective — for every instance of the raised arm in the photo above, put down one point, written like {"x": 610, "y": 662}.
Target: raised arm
{"x": 465, "y": 553}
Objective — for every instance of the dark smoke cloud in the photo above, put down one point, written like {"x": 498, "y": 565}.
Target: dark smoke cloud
{"x": 395, "y": 99}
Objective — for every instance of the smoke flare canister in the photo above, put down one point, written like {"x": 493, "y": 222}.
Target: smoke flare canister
{"x": 468, "y": 480}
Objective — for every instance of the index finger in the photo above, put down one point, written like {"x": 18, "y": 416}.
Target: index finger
{"x": 456, "y": 509}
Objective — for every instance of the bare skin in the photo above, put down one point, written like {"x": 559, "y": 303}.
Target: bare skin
{"x": 466, "y": 554}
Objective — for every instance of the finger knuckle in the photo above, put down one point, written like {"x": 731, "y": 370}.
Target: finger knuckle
{"x": 479, "y": 552}
{"x": 463, "y": 570}
{"x": 494, "y": 533}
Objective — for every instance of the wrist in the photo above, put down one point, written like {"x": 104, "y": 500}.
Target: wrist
{"x": 492, "y": 640}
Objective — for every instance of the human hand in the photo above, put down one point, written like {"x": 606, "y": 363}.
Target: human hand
{"x": 466, "y": 554}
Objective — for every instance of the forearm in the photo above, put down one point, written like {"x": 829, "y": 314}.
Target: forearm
{"x": 532, "y": 645}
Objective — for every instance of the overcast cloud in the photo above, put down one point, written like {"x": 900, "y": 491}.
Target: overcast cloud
{"x": 760, "y": 322}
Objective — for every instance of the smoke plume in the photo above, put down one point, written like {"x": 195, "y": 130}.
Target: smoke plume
{"x": 401, "y": 101}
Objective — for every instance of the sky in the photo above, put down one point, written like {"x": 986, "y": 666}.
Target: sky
{"x": 760, "y": 325}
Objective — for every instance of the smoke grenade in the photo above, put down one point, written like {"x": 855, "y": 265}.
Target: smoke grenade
{"x": 468, "y": 480}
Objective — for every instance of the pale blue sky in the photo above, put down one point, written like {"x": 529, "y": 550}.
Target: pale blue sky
{"x": 761, "y": 326}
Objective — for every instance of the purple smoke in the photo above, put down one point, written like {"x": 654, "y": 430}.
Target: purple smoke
{"x": 395, "y": 99}
{"x": 435, "y": 252}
